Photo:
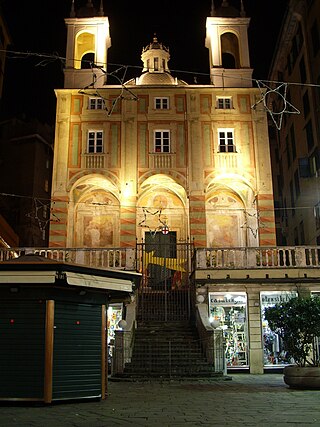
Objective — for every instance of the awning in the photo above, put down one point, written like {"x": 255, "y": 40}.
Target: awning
{"x": 91, "y": 281}
{"x": 27, "y": 276}
{"x": 70, "y": 277}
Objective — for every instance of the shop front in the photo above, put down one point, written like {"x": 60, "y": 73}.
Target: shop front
{"x": 229, "y": 312}
{"x": 274, "y": 354}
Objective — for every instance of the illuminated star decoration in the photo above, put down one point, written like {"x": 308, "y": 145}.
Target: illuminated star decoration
{"x": 162, "y": 224}
{"x": 246, "y": 224}
{"x": 44, "y": 207}
{"x": 281, "y": 92}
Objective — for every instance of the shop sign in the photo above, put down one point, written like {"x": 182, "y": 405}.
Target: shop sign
{"x": 275, "y": 298}
{"x": 227, "y": 299}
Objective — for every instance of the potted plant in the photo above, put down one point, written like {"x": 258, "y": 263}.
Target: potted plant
{"x": 297, "y": 322}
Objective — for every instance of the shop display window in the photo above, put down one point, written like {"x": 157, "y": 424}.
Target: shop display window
{"x": 231, "y": 311}
{"x": 273, "y": 351}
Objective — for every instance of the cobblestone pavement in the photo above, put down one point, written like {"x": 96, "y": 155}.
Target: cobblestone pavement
{"x": 245, "y": 400}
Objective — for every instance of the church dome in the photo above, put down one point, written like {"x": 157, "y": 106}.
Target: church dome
{"x": 155, "y": 57}
{"x": 156, "y": 79}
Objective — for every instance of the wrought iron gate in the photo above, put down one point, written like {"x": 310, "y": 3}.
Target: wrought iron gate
{"x": 165, "y": 291}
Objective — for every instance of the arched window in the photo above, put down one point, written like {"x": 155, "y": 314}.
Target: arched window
{"x": 230, "y": 51}
{"x": 87, "y": 60}
{"x": 228, "y": 61}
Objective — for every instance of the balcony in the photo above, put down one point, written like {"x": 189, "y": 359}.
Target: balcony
{"x": 132, "y": 259}
{"x": 162, "y": 160}
{"x": 93, "y": 161}
{"x": 226, "y": 161}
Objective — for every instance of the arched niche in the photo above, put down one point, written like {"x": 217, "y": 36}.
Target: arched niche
{"x": 94, "y": 214}
{"x": 84, "y": 45}
{"x": 97, "y": 220}
{"x": 230, "y": 51}
{"x": 225, "y": 220}
{"x": 162, "y": 201}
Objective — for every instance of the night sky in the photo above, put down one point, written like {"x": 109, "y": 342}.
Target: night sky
{"x": 37, "y": 26}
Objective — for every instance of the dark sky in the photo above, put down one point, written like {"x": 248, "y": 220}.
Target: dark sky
{"x": 37, "y": 26}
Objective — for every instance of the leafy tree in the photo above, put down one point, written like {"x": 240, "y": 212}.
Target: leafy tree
{"x": 297, "y": 322}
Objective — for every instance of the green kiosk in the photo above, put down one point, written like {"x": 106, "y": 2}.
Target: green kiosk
{"x": 53, "y": 328}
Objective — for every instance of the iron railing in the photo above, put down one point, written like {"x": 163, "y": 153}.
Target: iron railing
{"x": 167, "y": 358}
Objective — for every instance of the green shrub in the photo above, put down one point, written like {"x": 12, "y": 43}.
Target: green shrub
{"x": 297, "y": 322}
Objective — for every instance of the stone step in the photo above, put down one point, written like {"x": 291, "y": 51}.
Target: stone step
{"x": 166, "y": 349}
{"x": 145, "y": 376}
{"x": 163, "y": 365}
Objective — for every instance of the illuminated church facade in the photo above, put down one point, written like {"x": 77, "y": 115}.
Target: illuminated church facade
{"x": 154, "y": 151}
{"x": 155, "y": 157}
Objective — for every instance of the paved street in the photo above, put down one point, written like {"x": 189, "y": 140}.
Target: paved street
{"x": 246, "y": 400}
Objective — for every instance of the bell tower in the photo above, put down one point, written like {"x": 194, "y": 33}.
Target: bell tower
{"x": 88, "y": 40}
{"x": 227, "y": 41}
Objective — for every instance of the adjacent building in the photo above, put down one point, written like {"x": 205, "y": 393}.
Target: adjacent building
{"x": 25, "y": 182}
{"x": 296, "y": 160}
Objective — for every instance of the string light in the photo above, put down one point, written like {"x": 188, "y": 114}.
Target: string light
{"x": 38, "y": 207}
{"x": 55, "y": 57}
{"x": 47, "y": 59}
{"x": 276, "y": 116}
{"x": 52, "y": 201}
{"x": 280, "y": 91}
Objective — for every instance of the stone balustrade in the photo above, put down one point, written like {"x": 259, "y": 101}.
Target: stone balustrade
{"x": 192, "y": 258}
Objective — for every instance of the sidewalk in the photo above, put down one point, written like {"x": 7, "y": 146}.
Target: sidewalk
{"x": 246, "y": 400}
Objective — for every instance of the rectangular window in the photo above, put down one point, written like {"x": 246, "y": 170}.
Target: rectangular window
{"x": 161, "y": 103}
{"x": 285, "y": 213}
{"x": 303, "y": 72}
{"x": 309, "y": 135}
{"x": 289, "y": 65}
{"x": 315, "y": 37}
{"x": 224, "y": 103}
{"x": 306, "y": 104}
{"x": 288, "y": 151}
{"x": 226, "y": 141}
{"x": 297, "y": 183}
{"x": 95, "y": 103}
{"x": 293, "y": 142}
{"x": 293, "y": 211}
{"x": 301, "y": 229}
{"x": 162, "y": 141}
{"x": 314, "y": 162}
{"x": 304, "y": 167}
{"x": 317, "y": 215}
{"x": 95, "y": 141}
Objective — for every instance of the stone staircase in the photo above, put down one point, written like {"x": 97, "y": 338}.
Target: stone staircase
{"x": 167, "y": 350}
